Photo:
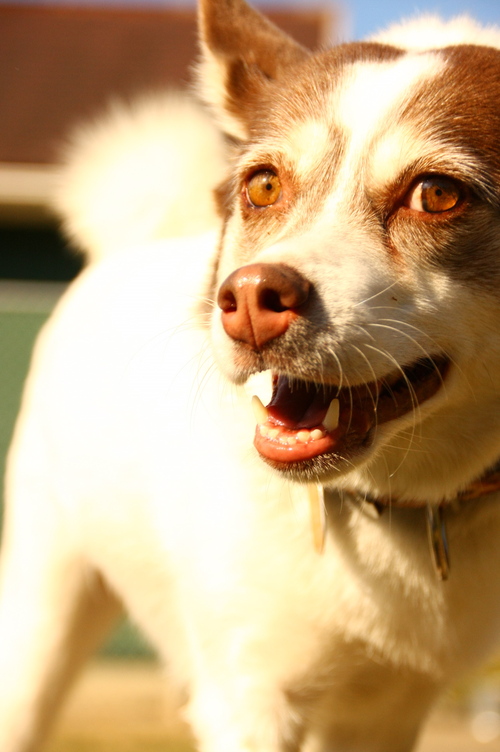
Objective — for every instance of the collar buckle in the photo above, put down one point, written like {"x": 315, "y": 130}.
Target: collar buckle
{"x": 435, "y": 521}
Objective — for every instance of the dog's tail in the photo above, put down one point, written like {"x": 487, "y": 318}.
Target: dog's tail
{"x": 141, "y": 172}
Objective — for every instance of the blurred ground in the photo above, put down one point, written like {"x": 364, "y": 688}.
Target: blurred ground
{"x": 122, "y": 706}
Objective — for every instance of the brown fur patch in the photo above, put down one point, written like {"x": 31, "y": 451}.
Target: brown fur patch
{"x": 275, "y": 110}
{"x": 235, "y": 31}
{"x": 461, "y": 109}
{"x": 450, "y": 108}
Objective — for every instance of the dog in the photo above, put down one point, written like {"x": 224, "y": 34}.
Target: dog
{"x": 275, "y": 444}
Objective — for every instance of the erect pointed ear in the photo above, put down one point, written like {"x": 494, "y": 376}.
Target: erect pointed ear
{"x": 242, "y": 52}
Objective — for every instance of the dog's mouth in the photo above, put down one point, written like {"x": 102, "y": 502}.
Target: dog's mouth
{"x": 306, "y": 422}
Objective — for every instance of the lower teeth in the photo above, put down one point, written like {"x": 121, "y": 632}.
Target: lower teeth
{"x": 302, "y": 437}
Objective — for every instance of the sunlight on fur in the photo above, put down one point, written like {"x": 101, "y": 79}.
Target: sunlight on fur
{"x": 316, "y": 572}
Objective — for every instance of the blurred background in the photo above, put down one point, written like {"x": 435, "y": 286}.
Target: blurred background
{"x": 61, "y": 62}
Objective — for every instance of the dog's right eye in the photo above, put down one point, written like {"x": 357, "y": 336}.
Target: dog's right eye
{"x": 263, "y": 188}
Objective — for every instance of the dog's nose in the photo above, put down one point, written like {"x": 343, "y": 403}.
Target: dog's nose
{"x": 260, "y": 301}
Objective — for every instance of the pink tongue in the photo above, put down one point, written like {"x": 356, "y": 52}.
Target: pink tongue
{"x": 297, "y": 404}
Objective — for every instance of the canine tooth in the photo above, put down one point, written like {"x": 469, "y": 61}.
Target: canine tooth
{"x": 303, "y": 436}
{"x": 259, "y": 411}
{"x": 272, "y": 432}
{"x": 331, "y": 419}
{"x": 316, "y": 495}
{"x": 264, "y": 430}
{"x": 317, "y": 434}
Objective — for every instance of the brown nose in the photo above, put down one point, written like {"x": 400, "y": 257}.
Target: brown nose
{"x": 260, "y": 301}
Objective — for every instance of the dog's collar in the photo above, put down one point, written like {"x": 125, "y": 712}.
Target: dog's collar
{"x": 435, "y": 513}
{"x": 486, "y": 484}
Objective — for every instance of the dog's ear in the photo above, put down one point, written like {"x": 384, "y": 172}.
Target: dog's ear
{"x": 242, "y": 54}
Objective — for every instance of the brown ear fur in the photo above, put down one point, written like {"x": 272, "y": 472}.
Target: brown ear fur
{"x": 241, "y": 53}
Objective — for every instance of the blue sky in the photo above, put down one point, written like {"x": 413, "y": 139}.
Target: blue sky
{"x": 361, "y": 17}
{"x": 364, "y": 17}
{"x": 368, "y": 16}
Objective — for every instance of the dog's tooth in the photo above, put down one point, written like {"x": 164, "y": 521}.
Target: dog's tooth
{"x": 317, "y": 434}
{"x": 272, "y": 433}
{"x": 259, "y": 411}
{"x": 331, "y": 419}
{"x": 303, "y": 436}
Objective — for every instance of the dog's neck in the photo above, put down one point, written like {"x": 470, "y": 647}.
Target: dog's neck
{"x": 486, "y": 484}
{"x": 374, "y": 507}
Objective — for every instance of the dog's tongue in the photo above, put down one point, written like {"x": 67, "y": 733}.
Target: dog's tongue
{"x": 297, "y": 404}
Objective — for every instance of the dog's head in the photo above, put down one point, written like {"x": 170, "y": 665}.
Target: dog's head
{"x": 360, "y": 257}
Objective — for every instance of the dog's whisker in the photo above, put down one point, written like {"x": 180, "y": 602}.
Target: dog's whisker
{"x": 374, "y": 376}
{"x": 411, "y": 390}
{"x": 203, "y": 299}
{"x": 422, "y": 349}
{"x": 376, "y": 295}
{"x": 452, "y": 360}
{"x": 363, "y": 330}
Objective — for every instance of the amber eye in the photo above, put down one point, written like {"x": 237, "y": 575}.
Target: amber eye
{"x": 435, "y": 194}
{"x": 263, "y": 188}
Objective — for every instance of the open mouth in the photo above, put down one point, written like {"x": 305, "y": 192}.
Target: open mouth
{"x": 305, "y": 420}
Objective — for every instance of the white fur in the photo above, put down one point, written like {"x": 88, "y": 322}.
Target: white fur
{"x": 429, "y": 32}
{"x": 373, "y": 92}
{"x": 133, "y": 483}
{"x": 141, "y": 172}
{"x": 306, "y": 145}
{"x": 213, "y": 90}
{"x": 207, "y": 549}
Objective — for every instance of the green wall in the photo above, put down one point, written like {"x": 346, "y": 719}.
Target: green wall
{"x": 17, "y": 335}
{"x": 24, "y": 307}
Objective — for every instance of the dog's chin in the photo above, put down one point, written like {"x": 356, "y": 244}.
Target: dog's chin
{"x": 316, "y": 431}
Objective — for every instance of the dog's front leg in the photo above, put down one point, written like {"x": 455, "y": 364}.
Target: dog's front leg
{"x": 48, "y": 626}
{"x": 54, "y": 609}
{"x": 243, "y": 716}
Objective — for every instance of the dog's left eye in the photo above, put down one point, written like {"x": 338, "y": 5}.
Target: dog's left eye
{"x": 434, "y": 195}
{"x": 263, "y": 188}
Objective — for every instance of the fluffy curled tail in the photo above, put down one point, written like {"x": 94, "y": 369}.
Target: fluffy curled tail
{"x": 141, "y": 172}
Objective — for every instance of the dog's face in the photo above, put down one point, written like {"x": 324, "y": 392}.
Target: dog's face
{"x": 360, "y": 259}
